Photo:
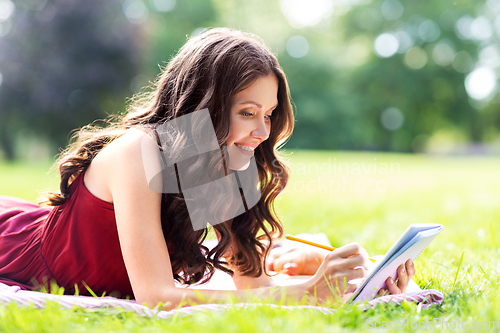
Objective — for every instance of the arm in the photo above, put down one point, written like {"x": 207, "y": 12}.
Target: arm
{"x": 295, "y": 260}
{"x": 144, "y": 250}
{"x": 249, "y": 282}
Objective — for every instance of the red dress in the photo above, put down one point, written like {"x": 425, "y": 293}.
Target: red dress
{"x": 76, "y": 243}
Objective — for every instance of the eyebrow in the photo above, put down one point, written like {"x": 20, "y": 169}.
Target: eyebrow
{"x": 256, "y": 104}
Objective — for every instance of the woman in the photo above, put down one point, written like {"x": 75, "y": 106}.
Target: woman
{"x": 111, "y": 230}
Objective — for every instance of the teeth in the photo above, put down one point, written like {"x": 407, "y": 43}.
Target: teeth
{"x": 245, "y": 148}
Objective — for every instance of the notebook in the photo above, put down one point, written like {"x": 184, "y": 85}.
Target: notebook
{"x": 413, "y": 241}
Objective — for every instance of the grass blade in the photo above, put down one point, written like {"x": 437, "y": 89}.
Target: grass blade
{"x": 458, "y": 269}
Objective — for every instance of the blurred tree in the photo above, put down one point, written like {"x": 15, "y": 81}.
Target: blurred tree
{"x": 381, "y": 74}
{"x": 394, "y": 97}
{"x": 417, "y": 77}
{"x": 377, "y": 75}
{"x": 169, "y": 25}
{"x": 64, "y": 64}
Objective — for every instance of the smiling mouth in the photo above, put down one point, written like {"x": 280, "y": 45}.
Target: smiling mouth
{"x": 244, "y": 147}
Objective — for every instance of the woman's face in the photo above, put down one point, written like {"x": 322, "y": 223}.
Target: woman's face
{"x": 250, "y": 120}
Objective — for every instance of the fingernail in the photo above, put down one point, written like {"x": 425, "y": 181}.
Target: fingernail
{"x": 390, "y": 281}
{"x": 403, "y": 270}
{"x": 411, "y": 262}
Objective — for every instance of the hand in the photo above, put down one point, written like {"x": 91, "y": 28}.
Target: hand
{"x": 405, "y": 273}
{"x": 296, "y": 260}
{"x": 340, "y": 266}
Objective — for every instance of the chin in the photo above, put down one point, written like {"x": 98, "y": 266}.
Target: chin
{"x": 238, "y": 161}
{"x": 239, "y": 166}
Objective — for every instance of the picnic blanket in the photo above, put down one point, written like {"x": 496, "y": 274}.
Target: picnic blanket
{"x": 424, "y": 298}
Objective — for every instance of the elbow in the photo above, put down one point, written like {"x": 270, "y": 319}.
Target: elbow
{"x": 167, "y": 299}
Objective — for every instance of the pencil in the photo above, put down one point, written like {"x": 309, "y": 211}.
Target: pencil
{"x": 329, "y": 248}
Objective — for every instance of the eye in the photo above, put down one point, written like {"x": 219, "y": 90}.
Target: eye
{"x": 246, "y": 114}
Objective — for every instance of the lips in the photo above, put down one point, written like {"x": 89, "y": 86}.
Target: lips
{"x": 244, "y": 147}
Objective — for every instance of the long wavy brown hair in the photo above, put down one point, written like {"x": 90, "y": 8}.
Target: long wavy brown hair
{"x": 206, "y": 72}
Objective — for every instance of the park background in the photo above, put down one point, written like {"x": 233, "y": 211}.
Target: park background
{"x": 397, "y": 122}
{"x": 364, "y": 75}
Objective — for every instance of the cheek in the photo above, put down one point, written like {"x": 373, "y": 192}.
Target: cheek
{"x": 236, "y": 131}
{"x": 230, "y": 135}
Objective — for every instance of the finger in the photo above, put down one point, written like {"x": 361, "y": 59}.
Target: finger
{"x": 352, "y": 262}
{"x": 316, "y": 256}
{"x": 350, "y": 281}
{"x": 383, "y": 292}
{"x": 410, "y": 268}
{"x": 358, "y": 273}
{"x": 278, "y": 252}
{"x": 280, "y": 262}
{"x": 351, "y": 287}
{"x": 291, "y": 268}
{"x": 349, "y": 250}
{"x": 308, "y": 262}
{"x": 392, "y": 287}
{"x": 402, "y": 278}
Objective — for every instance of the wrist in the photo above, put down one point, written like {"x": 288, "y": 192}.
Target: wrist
{"x": 308, "y": 287}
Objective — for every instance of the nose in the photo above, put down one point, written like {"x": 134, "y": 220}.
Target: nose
{"x": 261, "y": 130}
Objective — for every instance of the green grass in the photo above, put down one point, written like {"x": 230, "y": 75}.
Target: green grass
{"x": 27, "y": 180}
{"x": 463, "y": 262}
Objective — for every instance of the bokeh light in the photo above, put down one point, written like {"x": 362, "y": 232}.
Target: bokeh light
{"x": 163, "y": 5}
{"x": 462, "y": 62}
{"x": 405, "y": 41}
{"x": 304, "y": 13}
{"x": 481, "y": 28}
{"x": 297, "y": 46}
{"x": 496, "y": 25}
{"x": 416, "y": 58}
{"x": 392, "y": 118}
{"x": 463, "y": 27}
{"x": 392, "y": 9}
{"x": 6, "y": 10}
{"x": 480, "y": 83}
{"x": 443, "y": 54}
{"x": 135, "y": 11}
{"x": 489, "y": 57}
{"x": 46, "y": 13}
{"x": 493, "y": 5}
{"x": 428, "y": 31}
{"x": 358, "y": 51}
{"x": 5, "y": 28}
{"x": 386, "y": 45}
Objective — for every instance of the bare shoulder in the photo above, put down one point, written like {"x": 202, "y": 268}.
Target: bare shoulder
{"x": 126, "y": 146}
{"x": 120, "y": 163}
{"x": 126, "y": 157}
